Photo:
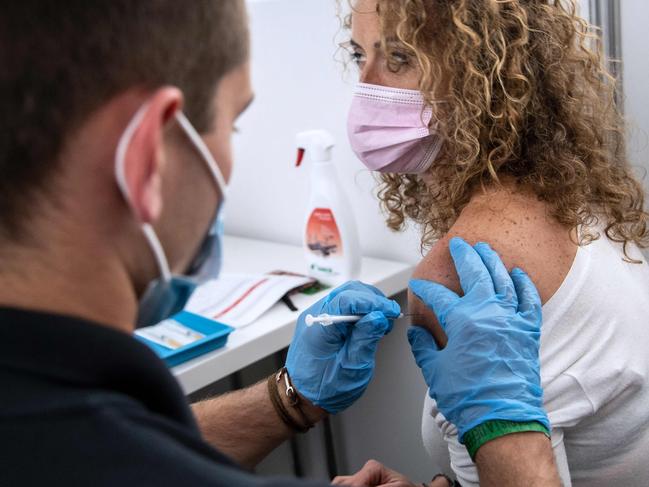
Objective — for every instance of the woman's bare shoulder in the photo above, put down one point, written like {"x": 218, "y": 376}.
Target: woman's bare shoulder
{"x": 517, "y": 226}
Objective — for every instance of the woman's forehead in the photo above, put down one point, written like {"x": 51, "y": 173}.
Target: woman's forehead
{"x": 365, "y": 23}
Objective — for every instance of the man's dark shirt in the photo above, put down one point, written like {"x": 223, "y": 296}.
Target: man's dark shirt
{"x": 85, "y": 405}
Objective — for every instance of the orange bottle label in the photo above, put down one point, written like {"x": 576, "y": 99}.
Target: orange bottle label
{"x": 322, "y": 234}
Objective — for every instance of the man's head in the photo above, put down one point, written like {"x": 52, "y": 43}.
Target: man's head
{"x": 74, "y": 75}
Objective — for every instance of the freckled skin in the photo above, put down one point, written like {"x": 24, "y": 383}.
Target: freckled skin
{"x": 516, "y": 224}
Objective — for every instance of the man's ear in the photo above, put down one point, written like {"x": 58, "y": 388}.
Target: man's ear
{"x": 144, "y": 158}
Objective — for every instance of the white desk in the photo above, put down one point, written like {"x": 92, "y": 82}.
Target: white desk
{"x": 274, "y": 330}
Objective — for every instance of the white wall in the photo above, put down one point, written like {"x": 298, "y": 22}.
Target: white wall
{"x": 299, "y": 86}
{"x": 584, "y": 8}
{"x": 635, "y": 57}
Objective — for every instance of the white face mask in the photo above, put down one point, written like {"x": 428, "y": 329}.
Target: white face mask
{"x": 167, "y": 294}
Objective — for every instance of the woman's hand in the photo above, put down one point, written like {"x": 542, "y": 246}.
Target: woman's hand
{"x": 375, "y": 474}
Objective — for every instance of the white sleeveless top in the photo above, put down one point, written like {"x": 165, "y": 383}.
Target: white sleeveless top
{"x": 594, "y": 372}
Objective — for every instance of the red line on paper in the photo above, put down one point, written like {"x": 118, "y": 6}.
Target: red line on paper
{"x": 241, "y": 298}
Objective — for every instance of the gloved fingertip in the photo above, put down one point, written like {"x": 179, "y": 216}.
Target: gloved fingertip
{"x": 375, "y": 324}
{"x": 389, "y": 307}
{"x": 457, "y": 245}
{"x": 417, "y": 285}
{"x": 457, "y": 242}
{"x": 395, "y": 310}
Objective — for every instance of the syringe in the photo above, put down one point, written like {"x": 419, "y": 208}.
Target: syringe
{"x": 327, "y": 319}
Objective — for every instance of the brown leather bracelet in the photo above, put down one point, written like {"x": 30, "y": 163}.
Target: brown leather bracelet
{"x": 281, "y": 411}
{"x": 293, "y": 397}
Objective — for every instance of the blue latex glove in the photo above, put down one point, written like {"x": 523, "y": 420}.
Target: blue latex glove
{"x": 490, "y": 367}
{"x": 331, "y": 366}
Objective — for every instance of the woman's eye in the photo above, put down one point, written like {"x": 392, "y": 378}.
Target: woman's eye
{"x": 357, "y": 57}
{"x": 399, "y": 58}
{"x": 398, "y": 61}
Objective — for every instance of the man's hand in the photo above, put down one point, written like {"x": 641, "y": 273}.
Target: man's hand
{"x": 331, "y": 366}
{"x": 374, "y": 474}
{"x": 489, "y": 370}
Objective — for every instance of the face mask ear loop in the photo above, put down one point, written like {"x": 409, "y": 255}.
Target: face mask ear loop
{"x": 158, "y": 251}
{"x": 120, "y": 177}
{"x": 204, "y": 152}
{"x": 122, "y": 147}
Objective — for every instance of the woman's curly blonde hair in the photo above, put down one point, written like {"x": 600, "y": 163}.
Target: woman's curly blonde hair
{"x": 528, "y": 97}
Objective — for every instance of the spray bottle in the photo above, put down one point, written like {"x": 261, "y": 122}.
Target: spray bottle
{"x": 330, "y": 235}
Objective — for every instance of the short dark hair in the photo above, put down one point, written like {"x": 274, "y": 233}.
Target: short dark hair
{"x": 61, "y": 60}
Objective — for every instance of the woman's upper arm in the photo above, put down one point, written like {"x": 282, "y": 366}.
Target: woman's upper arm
{"x": 522, "y": 235}
{"x": 435, "y": 266}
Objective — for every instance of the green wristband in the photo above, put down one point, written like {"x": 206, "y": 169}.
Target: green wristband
{"x": 490, "y": 430}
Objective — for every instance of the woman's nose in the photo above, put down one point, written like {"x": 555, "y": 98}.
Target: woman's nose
{"x": 370, "y": 74}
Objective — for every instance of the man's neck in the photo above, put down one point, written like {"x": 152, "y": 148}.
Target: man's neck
{"x": 65, "y": 275}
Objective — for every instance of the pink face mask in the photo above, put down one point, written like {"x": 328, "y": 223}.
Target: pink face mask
{"x": 388, "y": 129}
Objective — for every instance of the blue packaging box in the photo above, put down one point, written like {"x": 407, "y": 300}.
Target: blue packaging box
{"x": 216, "y": 336}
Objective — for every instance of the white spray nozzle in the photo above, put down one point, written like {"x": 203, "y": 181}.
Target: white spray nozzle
{"x": 318, "y": 143}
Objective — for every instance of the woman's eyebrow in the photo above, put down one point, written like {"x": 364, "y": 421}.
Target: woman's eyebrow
{"x": 389, "y": 41}
{"x": 377, "y": 44}
{"x": 355, "y": 44}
